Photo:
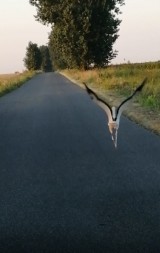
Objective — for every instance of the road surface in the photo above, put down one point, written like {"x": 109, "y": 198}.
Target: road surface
{"x": 63, "y": 186}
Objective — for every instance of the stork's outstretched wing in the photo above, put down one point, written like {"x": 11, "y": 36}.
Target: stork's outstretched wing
{"x": 124, "y": 104}
{"x": 106, "y": 107}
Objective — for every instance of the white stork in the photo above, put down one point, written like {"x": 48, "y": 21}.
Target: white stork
{"x": 113, "y": 113}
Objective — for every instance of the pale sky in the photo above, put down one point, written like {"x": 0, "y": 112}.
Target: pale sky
{"x": 139, "y": 39}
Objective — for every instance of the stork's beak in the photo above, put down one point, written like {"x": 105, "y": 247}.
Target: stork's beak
{"x": 113, "y": 130}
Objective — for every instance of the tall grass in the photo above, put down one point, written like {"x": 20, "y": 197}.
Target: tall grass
{"x": 123, "y": 79}
{"x": 9, "y": 82}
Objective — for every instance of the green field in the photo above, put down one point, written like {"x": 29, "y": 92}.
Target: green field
{"x": 116, "y": 82}
{"x": 124, "y": 79}
{"x": 9, "y": 82}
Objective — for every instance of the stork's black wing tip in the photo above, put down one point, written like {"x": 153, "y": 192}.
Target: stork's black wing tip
{"x": 144, "y": 81}
{"x": 87, "y": 88}
{"x": 85, "y": 85}
{"x": 142, "y": 84}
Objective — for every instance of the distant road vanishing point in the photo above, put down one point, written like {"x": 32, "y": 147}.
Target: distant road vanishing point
{"x": 63, "y": 186}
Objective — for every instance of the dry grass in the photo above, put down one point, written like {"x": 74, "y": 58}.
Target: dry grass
{"x": 116, "y": 82}
{"x": 9, "y": 82}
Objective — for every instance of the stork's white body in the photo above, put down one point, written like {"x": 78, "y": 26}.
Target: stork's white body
{"x": 113, "y": 113}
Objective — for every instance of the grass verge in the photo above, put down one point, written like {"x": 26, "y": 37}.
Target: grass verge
{"x": 117, "y": 82}
{"x": 9, "y": 82}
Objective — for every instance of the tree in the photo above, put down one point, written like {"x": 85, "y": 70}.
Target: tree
{"x": 32, "y": 60}
{"x": 46, "y": 64}
{"x": 83, "y": 32}
{"x": 68, "y": 39}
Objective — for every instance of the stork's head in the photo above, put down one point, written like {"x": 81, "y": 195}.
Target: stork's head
{"x": 113, "y": 128}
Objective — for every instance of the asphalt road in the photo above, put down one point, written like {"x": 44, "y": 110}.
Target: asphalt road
{"x": 63, "y": 186}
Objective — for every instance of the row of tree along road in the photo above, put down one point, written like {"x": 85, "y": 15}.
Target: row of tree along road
{"x": 37, "y": 58}
{"x": 83, "y": 32}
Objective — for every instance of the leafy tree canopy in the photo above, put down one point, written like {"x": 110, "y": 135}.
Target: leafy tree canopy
{"x": 37, "y": 58}
{"x": 32, "y": 60}
{"x": 83, "y": 32}
{"x": 46, "y": 64}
